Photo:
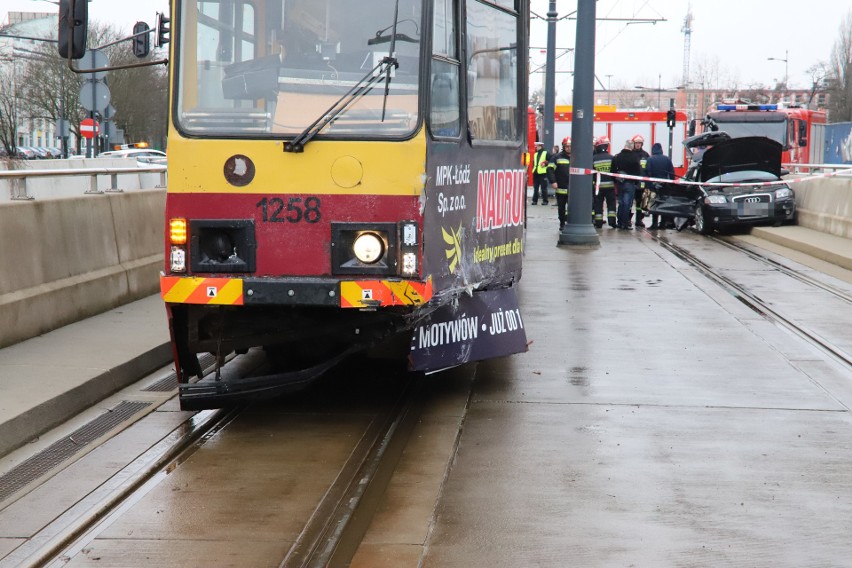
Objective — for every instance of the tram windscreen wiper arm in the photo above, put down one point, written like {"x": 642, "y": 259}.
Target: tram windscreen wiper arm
{"x": 361, "y": 88}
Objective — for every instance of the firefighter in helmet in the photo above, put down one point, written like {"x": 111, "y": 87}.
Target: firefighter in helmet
{"x": 638, "y": 142}
{"x": 559, "y": 176}
{"x": 604, "y": 184}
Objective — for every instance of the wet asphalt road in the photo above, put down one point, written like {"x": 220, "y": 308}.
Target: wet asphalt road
{"x": 656, "y": 421}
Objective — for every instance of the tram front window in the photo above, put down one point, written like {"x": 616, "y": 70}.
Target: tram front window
{"x": 254, "y": 68}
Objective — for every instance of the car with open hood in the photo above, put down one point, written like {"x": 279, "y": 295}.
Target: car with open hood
{"x": 736, "y": 182}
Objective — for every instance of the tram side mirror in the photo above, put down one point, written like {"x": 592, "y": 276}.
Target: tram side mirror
{"x": 73, "y": 28}
{"x": 803, "y": 133}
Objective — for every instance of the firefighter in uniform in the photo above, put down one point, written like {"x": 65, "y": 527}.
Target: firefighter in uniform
{"x": 560, "y": 175}
{"x": 638, "y": 141}
{"x": 604, "y": 184}
{"x": 540, "y": 181}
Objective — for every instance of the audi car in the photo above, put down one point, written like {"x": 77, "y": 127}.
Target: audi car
{"x": 737, "y": 183}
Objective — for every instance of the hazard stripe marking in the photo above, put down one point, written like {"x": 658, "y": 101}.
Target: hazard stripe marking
{"x": 374, "y": 293}
{"x": 216, "y": 291}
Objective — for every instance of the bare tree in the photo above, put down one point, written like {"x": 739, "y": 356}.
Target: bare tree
{"x": 140, "y": 97}
{"x": 49, "y": 89}
{"x": 8, "y": 111}
{"x": 839, "y": 77}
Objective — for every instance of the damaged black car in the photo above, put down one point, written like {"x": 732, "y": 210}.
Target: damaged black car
{"x": 738, "y": 184}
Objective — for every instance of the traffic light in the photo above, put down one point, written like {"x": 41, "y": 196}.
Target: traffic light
{"x": 141, "y": 43}
{"x": 73, "y": 26}
{"x": 162, "y": 30}
{"x": 671, "y": 118}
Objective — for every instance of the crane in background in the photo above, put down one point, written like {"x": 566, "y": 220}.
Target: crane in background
{"x": 687, "y": 36}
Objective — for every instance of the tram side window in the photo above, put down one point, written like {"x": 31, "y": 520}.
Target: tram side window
{"x": 444, "y": 95}
{"x": 492, "y": 72}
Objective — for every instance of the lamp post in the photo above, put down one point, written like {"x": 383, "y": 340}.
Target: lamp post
{"x": 786, "y": 64}
{"x": 608, "y": 78}
{"x": 660, "y": 90}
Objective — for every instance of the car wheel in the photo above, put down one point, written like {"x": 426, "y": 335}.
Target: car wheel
{"x": 702, "y": 225}
{"x": 794, "y": 220}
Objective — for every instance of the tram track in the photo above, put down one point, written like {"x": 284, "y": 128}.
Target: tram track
{"x": 781, "y": 267}
{"x": 757, "y": 304}
{"x": 331, "y": 534}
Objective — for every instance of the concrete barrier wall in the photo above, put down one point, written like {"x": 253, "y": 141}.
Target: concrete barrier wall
{"x": 63, "y": 260}
{"x": 825, "y": 205}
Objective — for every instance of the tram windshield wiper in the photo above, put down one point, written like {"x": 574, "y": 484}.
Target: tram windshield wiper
{"x": 381, "y": 71}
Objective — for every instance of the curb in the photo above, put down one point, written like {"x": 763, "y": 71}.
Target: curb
{"x": 28, "y": 426}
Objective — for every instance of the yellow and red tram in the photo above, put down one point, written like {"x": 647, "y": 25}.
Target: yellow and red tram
{"x": 343, "y": 173}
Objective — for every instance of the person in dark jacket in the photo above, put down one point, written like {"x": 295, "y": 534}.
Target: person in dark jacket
{"x": 638, "y": 142}
{"x": 630, "y": 163}
{"x": 560, "y": 176}
{"x": 605, "y": 189}
{"x": 658, "y": 166}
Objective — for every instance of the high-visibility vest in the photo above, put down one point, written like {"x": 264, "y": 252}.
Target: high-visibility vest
{"x": 539, "y": 167}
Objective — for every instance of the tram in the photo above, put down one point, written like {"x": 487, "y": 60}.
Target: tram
{"x": 343, "y": 174}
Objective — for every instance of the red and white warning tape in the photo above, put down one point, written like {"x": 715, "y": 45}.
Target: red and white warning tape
{"x": 678, "y": 181}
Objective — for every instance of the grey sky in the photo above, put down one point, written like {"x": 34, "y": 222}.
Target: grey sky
{"x": 733, "y": 37}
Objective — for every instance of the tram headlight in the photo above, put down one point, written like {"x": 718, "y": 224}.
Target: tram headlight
{"x": 368, "y": 248}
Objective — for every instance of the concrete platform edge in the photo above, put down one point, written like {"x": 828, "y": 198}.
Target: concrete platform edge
{"x": 28, "y": 426}
{"x": 804, "y": 246}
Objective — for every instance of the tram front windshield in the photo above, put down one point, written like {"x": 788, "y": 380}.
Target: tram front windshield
{"x": 256, "y": 68}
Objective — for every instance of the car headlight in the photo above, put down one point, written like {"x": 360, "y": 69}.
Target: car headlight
{"x": 783, "y": 193}
{"x": 715, "y": 199}
{"x": 368, "y": 248}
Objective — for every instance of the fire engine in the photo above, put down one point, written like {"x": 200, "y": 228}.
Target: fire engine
{"x": 621, "y": 125}
{"x": 791, "y": 126}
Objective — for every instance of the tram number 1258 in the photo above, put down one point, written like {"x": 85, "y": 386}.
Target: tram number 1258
{"x": 295, "y": 210}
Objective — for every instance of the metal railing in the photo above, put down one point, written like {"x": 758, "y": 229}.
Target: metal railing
{"x": 819, "y": 168}
{"x": 18, "y": 178}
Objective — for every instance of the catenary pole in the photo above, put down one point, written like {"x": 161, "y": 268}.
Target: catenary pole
{"x": 579, "y": 230}
{"x": 550, "y": 80}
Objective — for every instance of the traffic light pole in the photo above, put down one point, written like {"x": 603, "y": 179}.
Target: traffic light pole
{"x": 579, "y": 230}
{"x": 670, "y": 121}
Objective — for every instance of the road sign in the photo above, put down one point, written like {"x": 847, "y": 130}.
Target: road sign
{"x": 89, "y": 128}
{"x": 94, "y": 59}
{"x": 94, "y": 95}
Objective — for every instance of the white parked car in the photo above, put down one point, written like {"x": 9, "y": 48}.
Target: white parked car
{"x": 143, "y": 156}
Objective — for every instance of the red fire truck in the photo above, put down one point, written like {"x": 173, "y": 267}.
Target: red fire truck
{"x": 621, "y": 125}
{"x": 791, "y": 126}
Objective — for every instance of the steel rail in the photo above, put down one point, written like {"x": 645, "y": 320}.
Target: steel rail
{"x": 750, "y": 252}
{"x": 338, "y": 524}
{"x": 756, "y": 304}
{"x": 74, "y": 529}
